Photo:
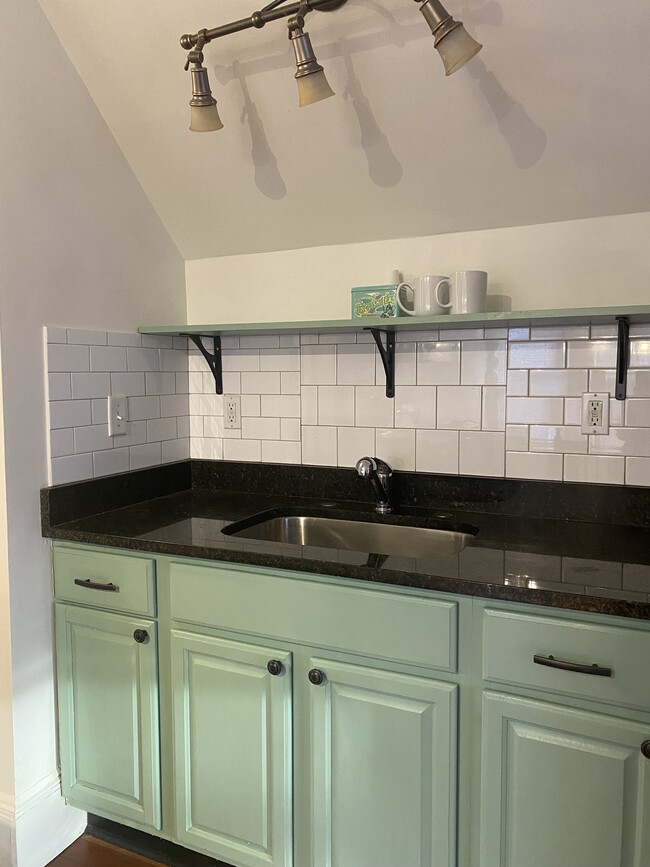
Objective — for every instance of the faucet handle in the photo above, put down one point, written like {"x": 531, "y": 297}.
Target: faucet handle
{"x": 366, "y": 467}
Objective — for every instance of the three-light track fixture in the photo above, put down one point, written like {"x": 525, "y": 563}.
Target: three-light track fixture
{"x": 452, "y": 41}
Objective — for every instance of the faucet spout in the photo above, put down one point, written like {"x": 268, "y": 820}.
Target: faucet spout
{"x": 379, "y": 474}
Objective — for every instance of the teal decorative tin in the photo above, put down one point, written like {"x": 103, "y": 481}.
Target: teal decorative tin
{"x": 375, "y": 301}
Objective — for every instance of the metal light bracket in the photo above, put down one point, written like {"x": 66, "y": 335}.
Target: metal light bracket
{"x": 387, "y": 355}
{"x": 622, "y": 357}
{"x": 213, "y": 358}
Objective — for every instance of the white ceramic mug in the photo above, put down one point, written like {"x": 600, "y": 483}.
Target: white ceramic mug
{"x": 424, "y": 295}
{"x": 467, "y": 292}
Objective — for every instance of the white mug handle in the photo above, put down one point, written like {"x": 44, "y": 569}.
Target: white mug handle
{"x": 440, "y": 303}
{"x": 399, "y": 300}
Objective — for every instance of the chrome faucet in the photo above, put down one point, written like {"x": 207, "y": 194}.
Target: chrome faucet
{"x": 379, "y": 475}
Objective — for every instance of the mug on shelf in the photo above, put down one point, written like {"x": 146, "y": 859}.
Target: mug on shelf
{"x": 467, "y": 292}
{"x": 424, "y": 295}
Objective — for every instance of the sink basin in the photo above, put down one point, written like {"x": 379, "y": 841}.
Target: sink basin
{"x": 354, "y": 535}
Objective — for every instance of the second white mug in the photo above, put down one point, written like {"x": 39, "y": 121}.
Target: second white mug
{"x": 467, "y": 292}
{"x": 424, "y": 295}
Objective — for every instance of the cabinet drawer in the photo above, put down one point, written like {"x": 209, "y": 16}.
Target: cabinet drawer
{"x": 118, "y": 582}
{"x": 405, "y": 629}
{"x": 512, "y": 640}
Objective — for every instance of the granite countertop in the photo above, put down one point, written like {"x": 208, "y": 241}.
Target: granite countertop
{"x": 588, "y": 565}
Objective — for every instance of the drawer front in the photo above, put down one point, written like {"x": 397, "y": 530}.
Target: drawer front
{"x": 402, "y": 629}
{"x": 512, "y": 640}
{"x": 117, "y": 582}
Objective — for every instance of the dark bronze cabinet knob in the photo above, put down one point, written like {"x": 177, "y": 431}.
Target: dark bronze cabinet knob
{"x": 141, "y": 636}
{"x": 645, "y": 749}
{"x": 274, "y": 666}
{"x": 316, "y": 676}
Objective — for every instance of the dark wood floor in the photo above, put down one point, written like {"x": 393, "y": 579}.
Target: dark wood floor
{"x": 90, "y": 852}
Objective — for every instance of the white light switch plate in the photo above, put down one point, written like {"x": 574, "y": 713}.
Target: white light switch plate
{"x": 116, "y": 415}
{"x": 595, "y": 412}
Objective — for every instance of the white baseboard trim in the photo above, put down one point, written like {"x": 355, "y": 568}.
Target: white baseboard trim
{"x": 7, "y": 830}
{"x": 38, "y": 791}
{"x": 44, "y": 824}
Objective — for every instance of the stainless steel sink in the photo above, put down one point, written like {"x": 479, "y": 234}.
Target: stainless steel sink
{"x": 377, "y": 538}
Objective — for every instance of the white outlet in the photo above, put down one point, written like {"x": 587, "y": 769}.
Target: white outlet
{"x": 116, "y": 415}
{"x": 232, "y": 411}
{"x": 595, "y": 412}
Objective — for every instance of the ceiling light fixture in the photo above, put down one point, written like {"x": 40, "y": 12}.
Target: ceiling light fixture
{"x": 453, "y": 42}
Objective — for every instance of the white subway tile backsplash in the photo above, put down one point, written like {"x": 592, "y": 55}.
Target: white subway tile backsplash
{"x": 242, "y": 450}
{"x": 183, "y": 427}
{"x": 436, "y": 451}
{"x": 438, "y": 363}
{"x": 290, "y": 428}
{"x": 173, "y": 360}
{"x": 336, "y": 405}
{"x": 280, "y": 359}
{"x": 637, "y": 412}
{"x": 160, "y": 383}
{"x": 259, "y": 341}
{"x": 396, "y": 447}
{"x": 55, "y": 335}
{"x": 342, "y": 337}
{"x": 290, "y": 383}
{"x": 281, "y": 452}
{"x": 372, "y": 407}
{"x": 139, "y": 359}
{"x": 309, "y": 404}
{"x": 558, "y": 383}
{"x": 72, "y": 468}
{"x": 459, "y": 407}
{"x": 483, "y": 362}
{"x": 280, "y": 406}
{"x": 515, "y": 334}
{"x": 319, "y": 446}
{"x": 464, "y": 334}
{"x": 213, "y": 427}
{"x": 251, "y": 404}
{"x": 158, "y": 341}
{"x": 355, "y": 364}
{"x": 240, "y": 359}
{"x": 573, "y": 410}
{"x": 174, "y": 404}
{"x": 232, "y": 383}
{"x": 136, "y": 434}
{"x": 69, "y": 413}
{"x": 260, "y": 428}
{"x": 107, "y": 358}
{"x": 558, "y": 439}
{"x": 354, "y": 443}
{"x": 159, "y": 429}
{"x": 118, "y": 338}
{"x": 537, "y": 354}
{"x": 182, "y": 383}
{"x": 631, "y": 442}
{"x": 67, "y": 359}
{"x": 640, "y": 352}
{"x": 62, "y": 442}
{"x": 59, "y": 386}
{"x": 591, "y": 353}
{"x": 108, "y": 462}
{"x": 516, "y": 438}
{"x": 178, "y": 450}
{"x": 415, "y": 406}
{"x": 92, "y": 438}
{"x": 592, "y": 468}
{"x": 534, "y": 410}
{"x": 260, "y": 383}
{"x": 146, "y": 455}
{"x": 90, "y": 385}
{"x": 318, "y": 365}
{"x": 517, "y": 383}
{"x": 128, "y": 384}
{"x": 494, "y": 408}
{"x": 529, "y": 465}
{"x": 562, "y": 332}
{"x": 139, "y": 408}
{"x": 482, "y": 453}
{"x": 87, "y": 338}
{"x": 637, "y": 471}
{"x": 288, "y": 341}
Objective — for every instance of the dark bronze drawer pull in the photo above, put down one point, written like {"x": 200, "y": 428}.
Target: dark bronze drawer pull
{"x": 94, "y": 585}
{"x": 552, "y": 662}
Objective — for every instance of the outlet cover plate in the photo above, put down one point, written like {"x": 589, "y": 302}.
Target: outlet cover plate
{"x": 595, "y": 412}
{"x": 232, "y": 411}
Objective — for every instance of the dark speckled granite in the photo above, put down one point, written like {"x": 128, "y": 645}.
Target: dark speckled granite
{"x": 542, "y": 543}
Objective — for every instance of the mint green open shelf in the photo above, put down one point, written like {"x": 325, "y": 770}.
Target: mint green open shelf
{"x": 501, "y": 319}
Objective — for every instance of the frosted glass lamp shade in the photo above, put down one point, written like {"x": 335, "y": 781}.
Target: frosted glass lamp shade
{"x": 457, "y": 47}
{"x": 205, "y": 118}
{"x": 313, "y": 88}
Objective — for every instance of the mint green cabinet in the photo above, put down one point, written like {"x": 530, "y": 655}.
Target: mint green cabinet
{"x": 232, "y": 749}
{"x": 562, "y": 787}
{"x": 383, "y": 768}
{"x": 108, "y": 714}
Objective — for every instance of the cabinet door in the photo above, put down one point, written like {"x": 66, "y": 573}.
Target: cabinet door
{"x": 562, "y": 787}
{"x": 383, "y": 769}
{"x": 232, "y": 746}
{"x": 108, "y": 714}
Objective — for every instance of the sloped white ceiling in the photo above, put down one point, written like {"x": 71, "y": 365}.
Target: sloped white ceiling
{"x": 551, "y": 121}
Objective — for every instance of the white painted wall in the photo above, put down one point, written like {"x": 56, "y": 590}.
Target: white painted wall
{"x": 580, "y": 263}
{"x": 81, "y": 245}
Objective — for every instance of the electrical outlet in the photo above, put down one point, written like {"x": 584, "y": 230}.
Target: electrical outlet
{"x": 595, "y": 412}
{"x": 232, "y": 411}
{"x": 116, "y": 415}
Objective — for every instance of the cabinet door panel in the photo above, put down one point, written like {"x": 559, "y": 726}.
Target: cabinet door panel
{"x": 108, "y": 710}
{"x": 562, "y": 787}
{"x": 383, "y": 769}
{"x": 232, "y": 736}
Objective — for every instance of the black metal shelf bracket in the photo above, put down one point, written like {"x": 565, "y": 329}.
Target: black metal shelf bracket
{"x": 213, "y": 358}
{"x": 622, "y": 357}
{"x": 387, "y": 355}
